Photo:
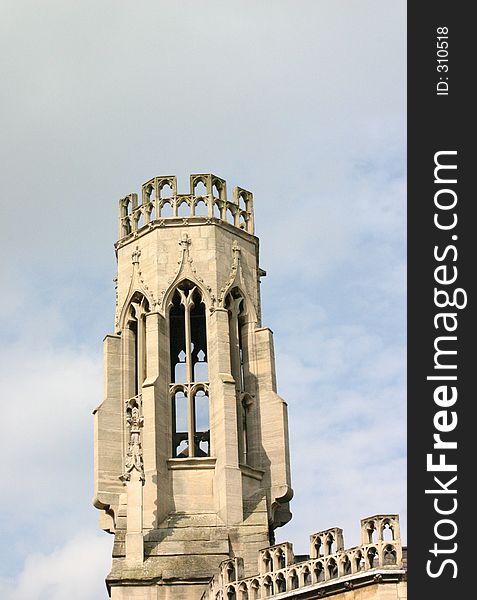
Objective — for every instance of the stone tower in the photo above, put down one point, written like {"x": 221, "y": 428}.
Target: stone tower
{"x": 191, "y": 439}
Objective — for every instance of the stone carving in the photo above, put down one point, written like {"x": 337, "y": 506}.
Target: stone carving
{"x": 185, "y": 270}
{"x": 137, "y": 284}
{"x": 134, "y": 452}
{"x": 233, "y": 273}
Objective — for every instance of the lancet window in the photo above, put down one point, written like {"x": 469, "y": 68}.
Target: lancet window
{"x": 238, "y": 357}
{"x": 135, "y": 337}
{"x": 189, "y": 373}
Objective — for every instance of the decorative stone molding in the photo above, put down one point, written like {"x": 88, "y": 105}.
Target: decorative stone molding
{"x": 137, "y": 284}
{"x": 134, "y": 216}
{"x": 185, "y": 270}
{"x": 236, "y": 279}
{"x": 135, "y": 422}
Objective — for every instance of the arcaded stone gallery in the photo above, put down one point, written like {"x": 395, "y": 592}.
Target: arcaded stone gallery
{"x": 192, "y": 468}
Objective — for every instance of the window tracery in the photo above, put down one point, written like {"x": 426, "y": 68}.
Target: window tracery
{"x": 189, "y": 373}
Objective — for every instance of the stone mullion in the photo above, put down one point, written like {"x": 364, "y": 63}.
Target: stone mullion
{"x": 188, "y": 303}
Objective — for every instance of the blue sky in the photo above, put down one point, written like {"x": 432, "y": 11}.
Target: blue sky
{"x": 301, "y": 102}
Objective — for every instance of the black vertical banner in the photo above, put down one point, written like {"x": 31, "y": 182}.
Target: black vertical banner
{"x": 441, "y": 299}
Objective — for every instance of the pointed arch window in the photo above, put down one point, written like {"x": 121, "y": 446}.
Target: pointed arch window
{"x": 189, "y": 373}
{"x": 136, "y": 343}
{"x": 238, "y": 359}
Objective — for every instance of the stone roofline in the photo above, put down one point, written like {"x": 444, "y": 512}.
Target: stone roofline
{"x": 329, "y": 567}
{"x": 207, "y": 199}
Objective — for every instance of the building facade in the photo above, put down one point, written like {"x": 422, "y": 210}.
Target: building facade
{"x": 192, "y": 470}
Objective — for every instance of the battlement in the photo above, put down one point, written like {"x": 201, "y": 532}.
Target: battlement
{"x": 329, "y": 567}
{"x": 206, "y": 202}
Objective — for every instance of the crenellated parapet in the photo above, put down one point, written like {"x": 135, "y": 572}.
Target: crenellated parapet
{"x": 329, "y": 568}
{"x": 207, "y": 200}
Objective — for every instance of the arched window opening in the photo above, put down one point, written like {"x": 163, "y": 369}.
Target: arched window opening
{"x": 177, "y": 340}
{"x": 166, "y": 210}
{"x": 307, "y": 576}
{"x": 198, "y": 341}
{"x": 268, "y": 585}
{"x": 134, "y": 333}
{"x": 243, "y": 592}
{"x": 231, "y": 573}
{"x": 188, "y": 366}
{"x": 180, "y": 429}
{"x": 216, "y": 211}
{"x": 281, "y": 559}
{"x": 281, "y": 583}
{"x": 183, "y": 209}
{"x": 371, "y": 529}
{"x": 389, "y": 556}
{"x": 230, "y": 217}
{"x": 329, "y": 544}
{"x": 140, "y": 220}
{"x": 231, "y": 595}
{"x": 235, "y": 306}
{"x": 267, "y": 562}
{"x": 180, "y": 374}
{"x": 294, "y": 583}
{"x": 216, "y": 189}
{"x": 359, "y": 562}
{"x": 200, "y": 189}
{"x": 346, "y": 566}
{"x": 245, "y": 406}
{"x": 238, "y": 361}
{"x": 332, "y": 569}
{"x": 136, "y": 341}
{"x": 202, "y": 424}
{"x": 201, "y": 209}
{"x": 242, "y": 203}
{"x": 372, "y": 557}
{"x": 318, "y": 551}
{"x": 254, "y": 589}
{"x": 166, "y": 191}
{"x": 319, "y": 572}
{"x": 200, "y": 366}
{"x": 388, "y": 533}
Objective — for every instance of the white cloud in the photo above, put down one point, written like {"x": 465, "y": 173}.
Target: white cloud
{"x": 75, "y": 570}
{"x": 306, "y": 109}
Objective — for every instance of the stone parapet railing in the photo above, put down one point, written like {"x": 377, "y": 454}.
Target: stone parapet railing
{"x": 280, "y": 572}
{"x": 207, "y": 200}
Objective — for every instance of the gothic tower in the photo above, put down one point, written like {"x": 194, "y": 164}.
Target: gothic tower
{"x": 191, "y": 439}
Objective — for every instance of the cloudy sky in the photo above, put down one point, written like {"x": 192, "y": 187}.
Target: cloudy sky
{"x": 302, "y": 102}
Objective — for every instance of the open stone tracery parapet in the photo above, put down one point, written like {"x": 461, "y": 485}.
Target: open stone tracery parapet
{"x": 206, "y": 201}
{"x": 328, "y": 569}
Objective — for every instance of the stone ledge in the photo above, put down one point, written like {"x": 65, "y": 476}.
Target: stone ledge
{"x": 207, "y": 462}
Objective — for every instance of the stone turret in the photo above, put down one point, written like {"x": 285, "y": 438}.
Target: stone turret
{"x": 191, "y": 439}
